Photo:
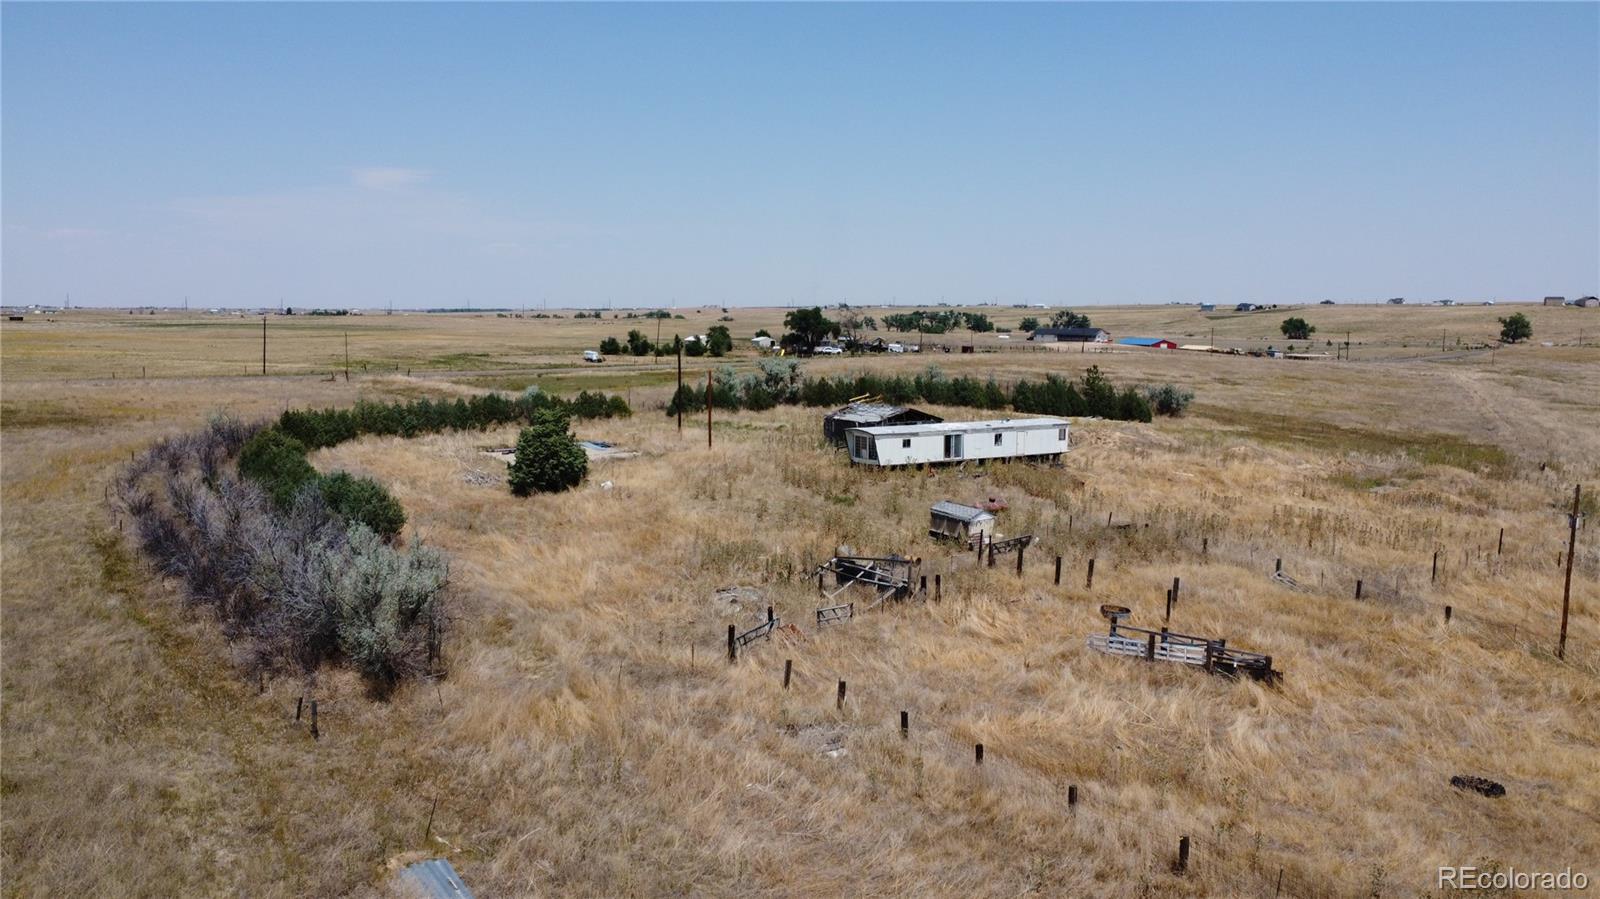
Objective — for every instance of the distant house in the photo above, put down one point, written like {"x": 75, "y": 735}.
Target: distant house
{"x": 1587, "y": 302}
{"x": 763, "y": 342}
{"x": 1159, "y": 343}
{"x": 860, "y": 415}
{"x": 1246, "y": 307}
{"x": 1397, "y": 301}
{"x": 958, "y": 522}
{"x": 1071, "y": 335}
{"x": 1555, "y": 301}
{"x": 1208, "y": 307}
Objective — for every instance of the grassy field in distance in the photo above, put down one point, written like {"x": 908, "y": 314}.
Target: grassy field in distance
{"x": 592, "y": 739}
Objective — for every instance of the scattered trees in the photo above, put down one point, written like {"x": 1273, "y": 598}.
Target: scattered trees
{"x": 364, "y": 501}
{"x": 327, "y": 427}
{"x": 807, "y": 328}
{"x": 718, "y": 341}
{"x": 548, "y": 458}
{"x": 1515, "y": 328}
{"x": 1297, "y": 328}
{"x": 278, "y": 463}
{"x": 1029, "y": 324}
{"x": 611, "y": 347}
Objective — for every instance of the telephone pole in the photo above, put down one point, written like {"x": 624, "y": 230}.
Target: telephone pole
{"x": 708, "y": 410}
{"x": 347, "y": 357}
{"x": 677, "y": 398}
{"x": 263, "y": 344}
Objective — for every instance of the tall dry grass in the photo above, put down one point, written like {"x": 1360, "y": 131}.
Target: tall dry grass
{"x": 592, "y": 739}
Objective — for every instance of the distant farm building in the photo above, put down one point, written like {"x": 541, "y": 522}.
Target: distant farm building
{"x": 958, "y": 441}
{"x": 1397, "y": 301}
{"x": 1071, "y": 335}
{"x": 763, "y": 342}
{"x": 1159, "y": 343}
{"x": 858, "y": 415}
{"x": 958, "y": 522}
{"x": 1555, "y": 301}
{"x": 1208, "y": 307}
{"x": 1587, "y": 302}
{"x": 1246, "y": 307}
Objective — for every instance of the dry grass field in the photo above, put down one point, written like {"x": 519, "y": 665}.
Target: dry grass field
{"x": 591, "y": 737}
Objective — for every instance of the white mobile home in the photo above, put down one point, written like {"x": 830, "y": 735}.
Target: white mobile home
{"x": 958, "y": 441}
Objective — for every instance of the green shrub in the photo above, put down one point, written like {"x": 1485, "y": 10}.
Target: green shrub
{"x": 548, "y": 458}
{"x": 1169, "y": 399}
{"x": 365, "y": 501}
{"x": 278, "y": 463}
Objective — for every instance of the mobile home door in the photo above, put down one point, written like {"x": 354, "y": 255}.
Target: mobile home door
{"x": 952, "y": 446}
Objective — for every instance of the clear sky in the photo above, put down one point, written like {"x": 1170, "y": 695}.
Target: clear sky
{"x": 431, "y": 155}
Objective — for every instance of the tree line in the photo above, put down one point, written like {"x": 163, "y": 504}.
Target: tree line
{"x": 778, "y": 382}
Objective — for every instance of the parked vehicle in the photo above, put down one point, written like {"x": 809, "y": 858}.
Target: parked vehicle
{"x": 828, "y": 351}
{"x": 592, "y": 356}
{"x": 896, "y": 348}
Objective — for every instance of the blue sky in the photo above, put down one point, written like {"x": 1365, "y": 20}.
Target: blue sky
{"x": 431, "y": 155}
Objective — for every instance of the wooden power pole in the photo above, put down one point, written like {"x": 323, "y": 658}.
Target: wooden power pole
{"x": 1566, "y": 590}
{"x": 708, "y": 410}
{"x": 677, "y": 398}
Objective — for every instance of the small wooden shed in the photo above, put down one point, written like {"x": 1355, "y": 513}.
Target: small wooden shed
{"x": 958, "y": 522}
{"x": 864, "y": 414}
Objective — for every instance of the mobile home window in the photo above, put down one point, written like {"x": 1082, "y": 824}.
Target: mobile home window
{"x": 997, "y": 440}
{"x": 1061, "y": 433}
{"x": 905, "y": 443}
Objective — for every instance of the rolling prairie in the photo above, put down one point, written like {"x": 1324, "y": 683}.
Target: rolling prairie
{"x": 590, "y": 737}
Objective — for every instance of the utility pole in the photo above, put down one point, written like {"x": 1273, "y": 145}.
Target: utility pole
{"x": 1566, "y": 590}
{"x": 263, "y": 344}
{"x": 708, "y": 410}
{"x": 347, "y": 357}
{"x": 677, "y": 398}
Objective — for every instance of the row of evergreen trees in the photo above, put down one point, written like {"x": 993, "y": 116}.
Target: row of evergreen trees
{"x": 318, "y": 428}
{"x": 779, "y": 383}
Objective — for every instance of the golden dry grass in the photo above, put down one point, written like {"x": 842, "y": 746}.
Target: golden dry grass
{"x": 591, "y": 738}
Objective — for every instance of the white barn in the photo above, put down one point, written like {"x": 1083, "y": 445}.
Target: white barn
{"x": 958, "y": 441}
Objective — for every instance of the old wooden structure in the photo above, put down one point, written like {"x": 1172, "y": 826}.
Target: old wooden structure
{"x": 889, "y": 577}
{"x": 954, "y": 521}
{"x": 1211, "y": 655}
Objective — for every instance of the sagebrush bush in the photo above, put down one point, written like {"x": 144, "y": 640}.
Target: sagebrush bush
{"x": 297, "y": 584}
{"x": 1169, "y": 399}
{"x": 548, "y": 459}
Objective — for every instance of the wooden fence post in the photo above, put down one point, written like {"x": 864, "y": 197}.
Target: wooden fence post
{"x": 1358, "y": 589}
{"x": 1277, "y": 566}
{"x": 977, "y": 753}
{"x": 1447, "y": 612}
{"x": 1088, "y": 583}
{"x": 733, "y": 650}
{"x": 991, "y": 553}
{"x": 1572, "y": 550}
{"x": 1182, "y": 864}
{"x": 1434, "y": 578}
{"x": 315, "y": 734}
{"x": 1168, "y": 616}
{"x": 1058, "y": 571}
{"x": 938, "y": 587}
{"x": 1175, "y": 584}
{"x": 839, "y": 703}
{"x": 1020, "y": 550}
{"x": 905, "y": 724}
{"x": 1500, "y": 547}
{"x": 299, "y": 704}
{"x": 1072, "y": 795}
{"x": 1150, "y": 649}
{"x": 788, "y": 669}
{"x": 1205, "y": 546}
{"x": 922, "y": 586}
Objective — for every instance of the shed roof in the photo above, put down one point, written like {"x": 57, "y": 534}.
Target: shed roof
{"x": 870, "y": 411}
{"x": 959, "y": 512}
{"x": 965, "y": 427}
{"x": 1142, "y": 341}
